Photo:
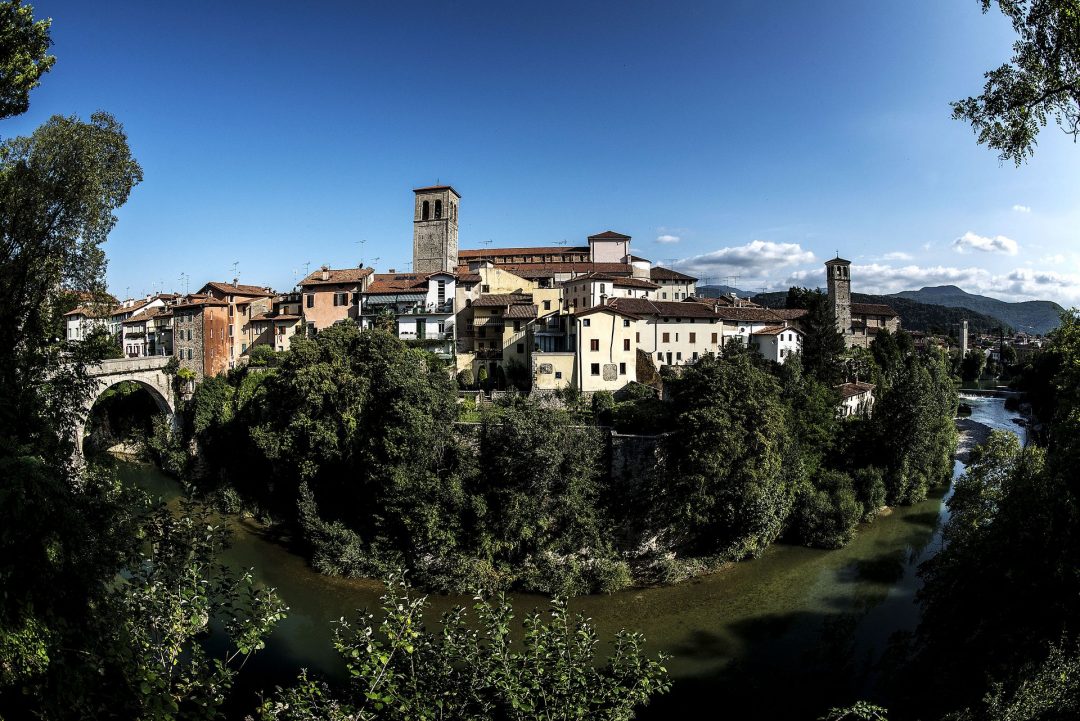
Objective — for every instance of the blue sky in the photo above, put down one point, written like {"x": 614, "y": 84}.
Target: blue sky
{"x": 736, "y": 138}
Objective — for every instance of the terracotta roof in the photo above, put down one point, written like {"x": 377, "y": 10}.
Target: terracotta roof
{"x": 609, "y": 308}
{"x": 466, "y": 276}
{"x": 149, "y": 314}
{"x": 548, "y": 270}
{"x": 501, "y": 299}
{"x": 91, "y": 311}
{"x": 337, "y": 275}
{"x": 436, "y": 187}
{"x": 669, "y": 308}
{"x": 480, "y": 253}
{"x": 872, "y": 309}
{"x": 621, "y": 281}
{"x": 790, "y": 313}
{"x": 749, "y": 315}
{"x": 520, "y": 310}
{"x": 609, "y": 235}
{"x": 196, "y": 299}
{"x": 240, "y": 289}
{"x": 776, "y": 330}
{"x": 658, "y": 273}
{"x": 388, "y": 283}
{"x": 271, "y": 316}
{"x": 847, "y": 390}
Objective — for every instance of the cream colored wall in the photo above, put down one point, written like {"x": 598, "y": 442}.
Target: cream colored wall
{"x": 610, "y": 331}
{"x": 546, "y": 365}
{"x": 679, "y": 342}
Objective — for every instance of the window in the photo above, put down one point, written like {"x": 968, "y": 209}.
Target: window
{"x": 189, "y": 354}
{"x": 243, "y": 349}
{"x": 520, "y": 347}
{"x": 622, "y": 369}
{"x": 637, "y": 337}
{"x": 594, "y": 344}
{"x": 558, "y": 375}
{"x": 678, "y": 356}
{"x": 310, "y": 300}
{"x": 442, "y": 292}
{"x": 341, "y": 299}
{"x": 586, "y": 322}
{"x": 594, "y": 369}
{"x": 517, "y": 326}
{"x": 230, "y": 331}
{"x": 659, "y": 356}
{"x": 603, "y": 288}
{"x": 626, "y": 323}
{"x": 695, "y": 355}
{"x": 547, "y": 305}
{"x": 666, "y": 338}
{"x": 355, "y": 298}
{"x": 714, "y": 338}
{"x": 693, "y": 337}
{"x": 189, "y": 333}
{"x": 438, "y": 209}
{"x": 663, "y": 295}
{"x": 485, "y": 289}
{"x": 230, "y": 311}
{"x": 676, "y": 337}
{"x": 626, "y": 344}
{"x": 425, "y": 211}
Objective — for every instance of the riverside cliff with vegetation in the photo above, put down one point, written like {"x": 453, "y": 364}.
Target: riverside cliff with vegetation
{"x": 350, "y": 442}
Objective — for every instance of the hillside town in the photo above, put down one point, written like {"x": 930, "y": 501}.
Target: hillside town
{"x": 593, "y": 317}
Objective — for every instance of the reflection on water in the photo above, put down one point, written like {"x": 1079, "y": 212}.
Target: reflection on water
{"x": 790, "y": 633}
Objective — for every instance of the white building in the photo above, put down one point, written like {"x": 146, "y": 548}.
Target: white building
{"x": 422, "y": 306}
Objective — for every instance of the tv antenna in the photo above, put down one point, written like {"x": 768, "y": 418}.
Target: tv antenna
{"x": 361, "y": 244}
{"x": 307, "y": 267}
{"x": 235, "y": 264}
{"x": 734, "y": 281}
{"x": 376, "y": 260}
{"x": 561, "y": 242}
{"x": 184, "y": 281}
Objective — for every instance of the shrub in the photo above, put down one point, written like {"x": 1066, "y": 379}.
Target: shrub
{"x": 869, "y": 485}
{"x": 827, "y": 512}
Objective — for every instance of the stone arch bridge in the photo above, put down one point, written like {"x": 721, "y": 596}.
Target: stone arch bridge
{"x": 148, "y": 372}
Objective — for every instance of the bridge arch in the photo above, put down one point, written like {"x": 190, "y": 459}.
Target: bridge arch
{"x": 149, "y": 373}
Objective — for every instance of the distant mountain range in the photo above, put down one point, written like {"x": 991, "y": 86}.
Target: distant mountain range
{"x": 938, "y": 308}
{"x": 1032, "y": 316}
{"x": 925, "y": 317}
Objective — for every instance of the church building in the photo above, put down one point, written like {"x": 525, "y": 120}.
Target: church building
{"x": 859, "y": 322}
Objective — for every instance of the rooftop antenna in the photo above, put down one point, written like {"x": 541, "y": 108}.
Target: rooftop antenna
{"x": 234, "y": 266}
{"x": 361, "y": 244}
{"x": 307, "y": 267}
{"x": 734, "y": 281}
{"x": 375, "y": 261}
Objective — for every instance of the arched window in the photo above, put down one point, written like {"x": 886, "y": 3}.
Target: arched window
{"x": 425, "y": 211}
{"x": 438, "y": 209}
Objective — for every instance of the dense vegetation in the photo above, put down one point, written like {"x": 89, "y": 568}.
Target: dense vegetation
{"x": 349, "y": 439}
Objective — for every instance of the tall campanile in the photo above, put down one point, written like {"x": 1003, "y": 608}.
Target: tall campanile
{"x": 838, "y": 277}
{"x": 435, "y": 229}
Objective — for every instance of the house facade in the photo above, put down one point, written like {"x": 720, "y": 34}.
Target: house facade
{"x": 331, "y": 295}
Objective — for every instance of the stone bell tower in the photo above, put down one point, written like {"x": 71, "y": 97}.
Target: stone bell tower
{"x": 435, "y": 229}
{"x": 838, "y": 276}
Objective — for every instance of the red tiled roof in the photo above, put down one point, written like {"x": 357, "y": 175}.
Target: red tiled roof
{"x": 609, "y": 308}
{"x": 749, "y": 315}
{"x": 790, "y": 313}
{"x": 480, "y": 253}
{"x": 847, "y": 390}
{"x": 609, "y": 235}
{"x": 658, "y": 273}
{"x": 149, "y": 314}
{"x": 776, "y": 330}
{"x": 196, "y": 299}
{"x": 271, "y": 317}
{"x": 389, "y": 283}
{"x": 336, "y": 276}
{"x": 520, "y": 310}
{"x": 669, "y": 308}
{"x": 501, "y": 299}
{"x": 621, "y": 281}
{"x": 240, "y": 289}
{"x": 872, "y": 309}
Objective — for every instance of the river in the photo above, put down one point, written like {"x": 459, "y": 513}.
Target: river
{"x": 787, "y": 635}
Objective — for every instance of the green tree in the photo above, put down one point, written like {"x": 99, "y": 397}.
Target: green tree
{"x": 1042, "y": 79}
{"x": 823, "y": 345}
{"x": 474, "y": 670}
{"x": 24, "y": 58}
{"x": 973, "y": 365}
{"x": 727, "y": 488}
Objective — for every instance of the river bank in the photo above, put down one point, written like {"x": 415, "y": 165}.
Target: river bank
{"x": 789, "y": 634}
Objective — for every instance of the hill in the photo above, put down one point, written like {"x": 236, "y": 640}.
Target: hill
{"x": 716, "y": 291}
{"x": 1033, "y": 316}
{"x": 926, "y": 317}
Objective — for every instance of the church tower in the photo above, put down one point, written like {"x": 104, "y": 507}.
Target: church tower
{"x": 838, "y": 275}
{"x": 435, "y": 229}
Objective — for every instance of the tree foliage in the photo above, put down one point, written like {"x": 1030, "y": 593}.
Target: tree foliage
{"x": 1041, "y": 80}
{"x": 474, "y": 669}
{"x": 24, "y": 58}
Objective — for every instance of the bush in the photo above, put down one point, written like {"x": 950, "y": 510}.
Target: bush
{"x": 465, "y": 379}
{"x": 261, "y": 356}
{"x": 869, "y": 485}
{"x": 827, "y": 512}
{"x": 603, "y": 403}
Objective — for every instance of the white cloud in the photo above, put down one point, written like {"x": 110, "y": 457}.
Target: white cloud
{"x": 757, "y": 256}
{"x": 898, "y": 255}
{"x": 1019, "y": 284}
{"x": 667, "y": 238}
{"x": 998, "y": 244}
{"x": 1056, "y": 259}
{"x": 1022, "y": 208}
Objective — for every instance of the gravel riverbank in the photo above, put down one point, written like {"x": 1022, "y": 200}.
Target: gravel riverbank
{"x": 972, "y": 433}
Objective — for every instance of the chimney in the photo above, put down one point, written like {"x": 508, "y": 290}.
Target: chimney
{"x": 392, "y": 270}
{"x": 325, "y": 273}
{"x": 235, "y": 281}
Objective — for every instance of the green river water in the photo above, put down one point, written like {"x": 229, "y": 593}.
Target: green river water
{"x": 787, "y": 635}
